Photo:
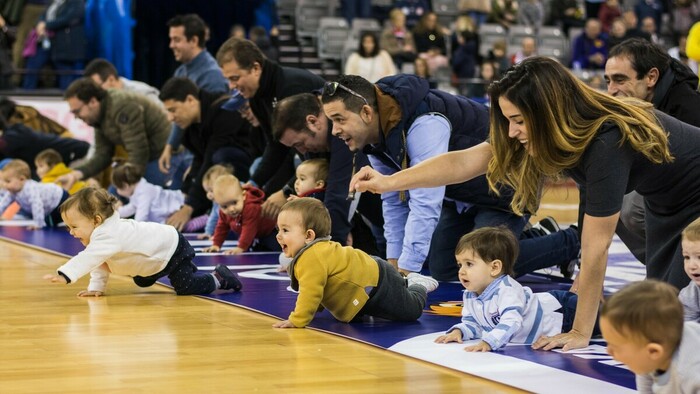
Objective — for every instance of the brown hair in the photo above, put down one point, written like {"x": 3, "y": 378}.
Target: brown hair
{"x": 91, "y": 202}
{"x": 562, "y": 116}
{"x": 647, "y": 311}
{"x": 243, "y": 51}
{"x": 126, "y": 174}
{"x": 50, "y": 157}
{"x": 321, "y": 165}
{"x": 18, "y": 168}
{"x": 314, "y": 215}
{"x": 492, "y": 243}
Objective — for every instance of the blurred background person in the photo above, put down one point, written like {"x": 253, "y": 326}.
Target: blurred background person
{"x": 370, "y": 61}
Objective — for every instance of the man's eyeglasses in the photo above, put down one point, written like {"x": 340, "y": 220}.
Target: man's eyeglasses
{"x": 330, "y": 88}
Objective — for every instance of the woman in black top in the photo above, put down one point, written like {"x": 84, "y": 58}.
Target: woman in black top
{"x": 545, "y": 123}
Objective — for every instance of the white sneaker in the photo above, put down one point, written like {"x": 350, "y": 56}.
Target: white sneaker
{"x": 415, "y": 278}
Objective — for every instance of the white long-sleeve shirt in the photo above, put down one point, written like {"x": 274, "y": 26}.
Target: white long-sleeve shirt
{"x": 690, "y": 298}
{"x": 683, "y": 376}
{"x": 152, "y": 203}
{"x": 38, "y": 198}
{"x": 123, "y": 247}
{"x": 508, "y": 312}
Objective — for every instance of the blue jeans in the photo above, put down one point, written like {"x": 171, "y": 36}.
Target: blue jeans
{"x": 568, "y": 301}
{"x": 179, "y": 163}
{"x": 452, "y": 225}
{"x": 546, "y": 251}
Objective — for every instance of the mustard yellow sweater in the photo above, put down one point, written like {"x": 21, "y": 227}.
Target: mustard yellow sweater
{"x": 334, "y": 276}
{"x": 58, "y": 170}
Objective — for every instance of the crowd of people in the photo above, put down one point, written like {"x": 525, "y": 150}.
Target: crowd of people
{"x": 372, "y": 186}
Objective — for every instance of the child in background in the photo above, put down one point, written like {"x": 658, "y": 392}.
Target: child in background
{"x": 240, "y": 211}
{"x": 208, "y": 179}
{"x": 690, "y": 295}
{"x": 497, "y": 308}
{"x": 311, "y": 179}
{"x": 49, "y": 166}
{"x": 145, "y": 251}
{"x": 41, "y": 200}
{"x": 147, "y": 202}
{"x": 643, "y": 326}
{"x": 346, "y": 281}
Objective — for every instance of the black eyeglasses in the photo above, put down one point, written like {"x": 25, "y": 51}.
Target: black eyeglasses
{"x": 330, "y": 88}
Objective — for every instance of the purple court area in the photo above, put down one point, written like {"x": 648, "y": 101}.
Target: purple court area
{"x": 265, "y": 291}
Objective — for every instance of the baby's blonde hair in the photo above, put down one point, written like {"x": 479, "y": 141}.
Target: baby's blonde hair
{"x": 18, "y": 168}
{"x": 226, "y": 181}
{"x": 692, "y": 232}
{"x": 216, "y": 171}
{"x": 91, "y": 202}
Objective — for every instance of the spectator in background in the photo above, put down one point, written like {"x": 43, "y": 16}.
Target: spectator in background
{"x": 608, "y": 12}
{"x": 352, "y": 9}
{"x": 531, "y": 13}
{"x": 31, "y": 12}
{"x": 487, "y": 74}
{"x": 497, "y": 55}
{"x": 237, "y": 31}
{"x": 630, "y": 18}
{"x": 683, "y": 14}
{"x": 649, "y": 26}
{"x": 678, "y": 53}
{"x": 466, "y": 48}
{"x": 269, "y": 48}
{"x": 397, "y": 39}
{"x": 649, "y": 8}
{"x": 420, "y": 68}
{"x": 370, "y": 61}
{"x": 430, "y": 41}
{"x": 503, "y": 12}
{"x": 566, "y": 14}
{"x": 478, "y": 10}
{"x": 618, "y": 33}
{"x": 6, "y": 67}
{"x": 413, "y": 9}
{"x": 105, "y": 74}
{"x": 59, "y": 39}
{"x": 590, "y": 48}
{"x": 528, "y": 48}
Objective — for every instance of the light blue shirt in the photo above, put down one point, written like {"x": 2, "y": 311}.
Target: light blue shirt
{"x": 409, "y": 225}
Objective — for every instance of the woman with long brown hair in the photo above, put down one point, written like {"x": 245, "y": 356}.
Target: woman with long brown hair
{"x": 545, "y": 124}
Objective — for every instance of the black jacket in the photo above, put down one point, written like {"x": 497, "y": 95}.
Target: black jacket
{"x": 277, "y": 83}
{"x": 676, "y": 93}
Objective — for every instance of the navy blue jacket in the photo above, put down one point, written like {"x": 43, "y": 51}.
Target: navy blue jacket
{"x": 470, "y": 127}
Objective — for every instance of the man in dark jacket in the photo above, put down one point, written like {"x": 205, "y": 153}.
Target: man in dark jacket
{"x": 212, "y": 134}
{"x": 264, "y": 83}
{"x": 299, "y": 123}
{"x": 638, "y": 68}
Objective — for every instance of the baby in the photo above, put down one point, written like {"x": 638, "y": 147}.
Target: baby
{"x": 690, "y": 295}
{"x": 208, "y": 185}
{"x": 643, "y": 326}
{"x": 147, "y": 202}
{"x": 497, "y": 308}
{"x": 145, "y": 251}
{"x": 347, "y": 282}
{"x": 41, "y": 200}
{"x": 49, "y": 166}
{"x": 311, "y": 178}
{"x": 240, "y": 211}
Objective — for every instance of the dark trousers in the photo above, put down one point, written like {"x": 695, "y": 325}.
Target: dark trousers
{"x": 54, "y": 218}
{"x": 391, "y": 299}
{"x": 237, "y": 157}
{"x": 182, "y": 273}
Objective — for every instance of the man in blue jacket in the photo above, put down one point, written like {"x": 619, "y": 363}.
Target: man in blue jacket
{"x": 399, "y": 122}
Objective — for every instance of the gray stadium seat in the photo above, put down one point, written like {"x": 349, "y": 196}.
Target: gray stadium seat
{"x": 332, "y": 34}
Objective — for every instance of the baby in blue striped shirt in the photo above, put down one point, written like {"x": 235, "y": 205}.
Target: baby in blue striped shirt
{"x": 496, "y": 308}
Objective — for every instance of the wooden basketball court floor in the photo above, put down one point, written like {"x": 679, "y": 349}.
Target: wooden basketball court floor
{"x": 150, "y": 341}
